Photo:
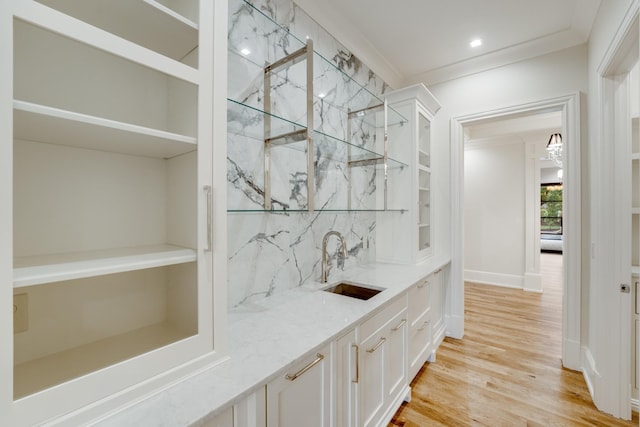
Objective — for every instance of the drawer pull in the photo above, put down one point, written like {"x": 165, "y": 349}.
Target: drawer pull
{"x": 400, "y": 325}
{"x": 354, "y": 346}
{"x": 377, "y": 346}
{"x": 293, "y": 377}
{"x": 424, "y": 325}
{"x": 423, "y": 284}
{"x": 209, "y": 192}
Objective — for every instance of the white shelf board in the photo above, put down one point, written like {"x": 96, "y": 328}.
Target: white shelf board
{"x": 635, "y": 270}
{"x": 41, "y": 123}
{"x": 47, "y": 371}
{"x": 423, "y": 225}
{"x": 73, "y": 28}
{"x": 37, "y": 270}
{"x": 423, "y": 188}
{"x": 635, "y": 156}
{"x": 635, "y": 211}
{"x": 144, "y": 22}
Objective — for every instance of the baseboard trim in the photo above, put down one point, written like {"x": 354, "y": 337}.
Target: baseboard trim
{"x": 495, "y": 279}
{"x": 571, "y": 355}
{"x": 386, "y": 418}
{"x": 589, "y": 371}
{"x": 533, "y": 282}
{"x": 454, "y": 326}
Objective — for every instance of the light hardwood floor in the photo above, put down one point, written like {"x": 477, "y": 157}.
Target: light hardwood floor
{"x": 506, "y": 371}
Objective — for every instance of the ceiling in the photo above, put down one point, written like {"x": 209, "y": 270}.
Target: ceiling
{"x": 428, "y": 40}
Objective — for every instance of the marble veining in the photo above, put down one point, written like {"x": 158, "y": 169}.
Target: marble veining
{"x": 272, "y": 252}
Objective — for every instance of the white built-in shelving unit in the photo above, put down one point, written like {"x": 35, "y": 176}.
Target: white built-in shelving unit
{"x": 109, "y": 202}
{"x": 410, "y": 187}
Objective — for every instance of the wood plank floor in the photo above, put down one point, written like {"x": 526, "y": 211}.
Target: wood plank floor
{"x": 506, "y": 371}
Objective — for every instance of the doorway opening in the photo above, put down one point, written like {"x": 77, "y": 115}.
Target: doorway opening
{"x": 568, "y": 109}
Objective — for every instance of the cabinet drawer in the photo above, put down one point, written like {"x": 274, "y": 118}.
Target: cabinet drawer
{"x": 383, "y": 316}
{"x": 420, "y": 299}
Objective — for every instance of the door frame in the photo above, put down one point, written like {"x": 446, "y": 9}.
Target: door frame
{"x": 608, "y": 367}
{"x": 569, "y": 106}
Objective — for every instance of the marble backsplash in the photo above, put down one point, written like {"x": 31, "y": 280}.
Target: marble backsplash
{"x": 275, "y": 251}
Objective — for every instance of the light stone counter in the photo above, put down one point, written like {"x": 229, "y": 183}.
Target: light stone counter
{"x": 267, "y": 338}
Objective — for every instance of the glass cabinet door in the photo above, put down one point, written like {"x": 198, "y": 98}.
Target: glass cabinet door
{"x": 424, "y": 183}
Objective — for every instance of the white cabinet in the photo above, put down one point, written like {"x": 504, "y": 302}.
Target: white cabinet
{"x": 410, "y": 143}
{"x": 108, "y": 201}
{"x": 420, "y": 342}
{"x": 249, "y": 412}
{"x": 302, "y": 396}
{"x": 383, "y": 381}
{"x": 347, "y": 377}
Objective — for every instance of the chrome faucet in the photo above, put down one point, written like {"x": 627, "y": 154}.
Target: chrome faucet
{"x": 324, "y": 251}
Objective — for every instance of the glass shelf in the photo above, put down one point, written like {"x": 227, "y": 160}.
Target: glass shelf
{"x": 247, "y": 121}
{"x": 287, "y": 211}
{"x": 333, "y": 88}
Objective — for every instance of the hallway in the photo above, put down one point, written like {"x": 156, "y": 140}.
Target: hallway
{"x": 506, "y": 371}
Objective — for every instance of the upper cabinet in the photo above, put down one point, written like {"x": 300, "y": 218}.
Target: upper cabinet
{"x": 411, "y": 144}
{"x": 303, "y": 135}
{"x": 109, "y": 200}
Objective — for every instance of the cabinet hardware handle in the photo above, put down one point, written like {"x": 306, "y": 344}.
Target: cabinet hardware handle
{"x": 375, "y": 347}
{"x": 400, "y": 325}
{"x": 209, "y": 191}
{"x": 422, "y": 285}
{"x": 293, "y": 377}
{"x": 354, "y": 346}
{"x": 424, "y": 325}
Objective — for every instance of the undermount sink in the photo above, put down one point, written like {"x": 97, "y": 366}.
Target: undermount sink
{"x": 352, "y": 290}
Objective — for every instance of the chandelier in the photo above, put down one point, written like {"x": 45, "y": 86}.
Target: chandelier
{"x": 554, "y": 149}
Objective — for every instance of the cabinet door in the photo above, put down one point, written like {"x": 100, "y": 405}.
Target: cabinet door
{"x": 347, "y": 376}
{"x": 225, "y": 419}
{"x": 371, "y": 390}
{"x": 251, "y": 412}
{"x": 301, "y": 397}
{"x": 424, "y": 186}
{"x": 395, "y": 363}
{"x": 419, "y": 334}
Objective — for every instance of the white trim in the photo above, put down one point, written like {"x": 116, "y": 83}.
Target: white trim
{"x": 495, "y": 279}
{"x": 589, "y": 371}
{"x": 454, "y": 326}
{"x": 610, "y": 319}
{"x": 532, "y": 282}
{"x": 569, "y": 105}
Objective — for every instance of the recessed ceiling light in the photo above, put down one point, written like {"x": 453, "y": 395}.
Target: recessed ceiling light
{"x": 245, "y": 51}
{"x": 321, "y": 95}
{"x": 476, "y": 43}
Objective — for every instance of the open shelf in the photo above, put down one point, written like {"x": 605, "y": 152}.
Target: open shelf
{"x": 40, "y": 374}
{"x": 33, "y": 122}
{"x": 57, "y": 24}
{"x": 37, "y": 270}
{"x": 147, "y": 23}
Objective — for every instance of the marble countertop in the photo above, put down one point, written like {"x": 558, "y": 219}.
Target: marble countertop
{"x": 268, "y": 337}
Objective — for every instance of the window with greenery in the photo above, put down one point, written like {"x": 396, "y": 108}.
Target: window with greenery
{"x": 551, "y": 208}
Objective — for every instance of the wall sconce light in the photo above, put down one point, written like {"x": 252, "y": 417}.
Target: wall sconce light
{"x": 554, "y": 149}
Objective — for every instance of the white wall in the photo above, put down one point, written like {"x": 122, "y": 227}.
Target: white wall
{"x": 494, "y": 209}
{"x": 495, "y": 238}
